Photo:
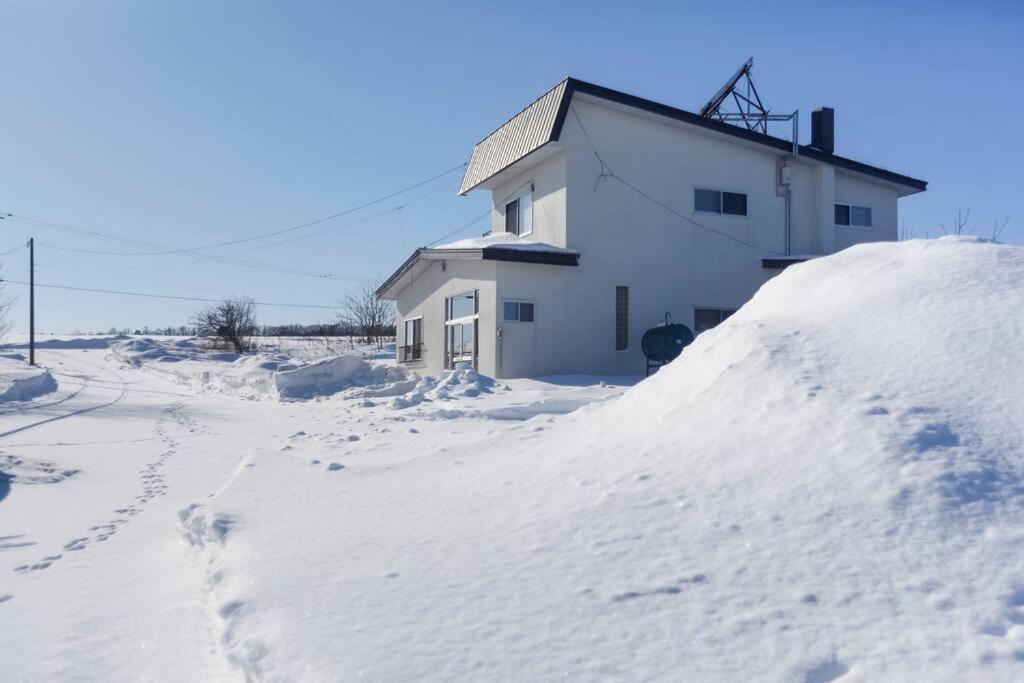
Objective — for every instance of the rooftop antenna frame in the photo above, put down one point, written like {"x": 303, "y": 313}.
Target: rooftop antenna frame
{"x": 751, "y": 111}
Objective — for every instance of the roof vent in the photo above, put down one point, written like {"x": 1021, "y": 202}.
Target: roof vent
{"x": 823, "y": 129}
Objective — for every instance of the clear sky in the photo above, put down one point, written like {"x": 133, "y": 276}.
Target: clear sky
{"x": 192, "y": 123}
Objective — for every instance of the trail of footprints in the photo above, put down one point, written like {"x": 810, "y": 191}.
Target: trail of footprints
{"x": 153, "y": 486}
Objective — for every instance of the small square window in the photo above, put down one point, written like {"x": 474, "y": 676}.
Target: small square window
{"x": 707, "y": 200}
{"x": 511, "y": 310}
{"x": 842, "y": 214}
{"x": 517, "y": 311}
{"x": 525, "y": 313}
{"x": 734, "y": 203}
{"x": 861, "y": 216}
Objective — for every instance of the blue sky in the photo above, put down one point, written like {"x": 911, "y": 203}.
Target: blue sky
{"x": 187, "y": 124}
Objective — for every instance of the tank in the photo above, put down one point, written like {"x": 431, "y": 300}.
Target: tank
{"x": 664, "y": 343}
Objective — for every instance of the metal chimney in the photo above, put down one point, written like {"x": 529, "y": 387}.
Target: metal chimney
{"x": 823, "y": 129}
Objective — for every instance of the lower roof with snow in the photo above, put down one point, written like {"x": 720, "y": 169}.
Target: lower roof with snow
{"x": 500, "y": 246}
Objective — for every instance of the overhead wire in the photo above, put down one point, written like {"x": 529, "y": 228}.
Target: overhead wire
{"x": 161, "y": 296}
{"x": 273, "y": 233}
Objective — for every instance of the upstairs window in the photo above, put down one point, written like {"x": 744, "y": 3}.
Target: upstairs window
{"x": 856, "y": 216}
{"x": 518, "y": 311}
{"x": 719, "y": 201}
{"x": 519, "y": 215}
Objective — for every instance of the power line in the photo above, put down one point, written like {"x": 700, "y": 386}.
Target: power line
{"x": 274, "y": 233}
{"x": 607, "y": 172}
{"x": 163, "y": 296}
{"x": 11, "y": 251}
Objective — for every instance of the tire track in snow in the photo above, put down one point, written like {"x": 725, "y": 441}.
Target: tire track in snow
{"x": 80, "y": 411}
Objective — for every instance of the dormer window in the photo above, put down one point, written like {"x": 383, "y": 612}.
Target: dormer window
{"x": 519, "y": 215}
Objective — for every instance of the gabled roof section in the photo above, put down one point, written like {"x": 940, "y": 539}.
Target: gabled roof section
{"x": 541, "y": 123}
{"x": 523, "y": 133}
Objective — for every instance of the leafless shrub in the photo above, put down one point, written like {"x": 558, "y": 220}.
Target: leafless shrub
{"x": 5, "y": 311}
{"x": 232, "y": 322}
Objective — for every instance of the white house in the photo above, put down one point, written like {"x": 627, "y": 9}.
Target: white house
{"x": 611, "y": 211}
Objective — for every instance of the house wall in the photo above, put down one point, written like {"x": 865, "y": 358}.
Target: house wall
{"x": 548, "y": 179}
{"x": 670, "y": 264}
{"x": 425, "y": 297}
{"x": 881, "y": 199}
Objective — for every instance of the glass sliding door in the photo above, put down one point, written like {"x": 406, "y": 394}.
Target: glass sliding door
{"x": 461, "y": 319}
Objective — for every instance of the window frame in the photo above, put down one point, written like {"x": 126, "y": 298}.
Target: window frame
{"x": 849, "y": 216}
{"x": 723, "y": 315}
{"x": 721, "y": 201}
{"x": 417, "y": 323}
{"x": 521, "y": 215}
{"x": 519, "y": 304}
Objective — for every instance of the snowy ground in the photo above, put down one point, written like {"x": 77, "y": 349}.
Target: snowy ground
{"x": 829, "y": 486}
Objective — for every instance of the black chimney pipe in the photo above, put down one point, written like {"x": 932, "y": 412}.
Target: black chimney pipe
{"x": 823, "y": 129}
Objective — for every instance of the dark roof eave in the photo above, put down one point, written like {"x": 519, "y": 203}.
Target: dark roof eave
{"x": 491, "y": 253}
{"x": 575, "y": 85}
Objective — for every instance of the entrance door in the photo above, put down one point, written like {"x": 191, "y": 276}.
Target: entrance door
{"x": 461, "y": 328}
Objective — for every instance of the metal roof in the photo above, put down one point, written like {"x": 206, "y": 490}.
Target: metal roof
{"x": 517, "y": 137}
{"x": 541, "y": 123}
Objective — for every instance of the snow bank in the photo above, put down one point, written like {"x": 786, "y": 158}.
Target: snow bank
{"x": 503, "y": 240}
{"x": 19, "y": 382}
{"x": 829, "y": 485}
{"x": 253, "y": 376}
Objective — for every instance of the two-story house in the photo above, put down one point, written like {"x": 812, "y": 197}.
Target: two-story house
{"x": 609, "y": 212}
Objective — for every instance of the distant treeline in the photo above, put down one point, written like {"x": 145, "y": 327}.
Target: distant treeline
{"x": 337, "y": 329}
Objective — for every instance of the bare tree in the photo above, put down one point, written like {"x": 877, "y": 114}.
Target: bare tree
{"x": 232, "y": 322}
{"x": 371, "y": 317}
{"x": 5, "y": 311}
{"x": 960, "y": 224}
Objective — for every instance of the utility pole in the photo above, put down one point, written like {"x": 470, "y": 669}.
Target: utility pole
{"x": 31, "y": 301}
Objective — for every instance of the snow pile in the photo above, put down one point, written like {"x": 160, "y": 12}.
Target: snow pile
{"x": 253, "y": 376}
{"x": 19, "y": 382}
{"x": 828, "y": 485}
{"x": 503, "y": 240}
{"x": 462, "y": 381}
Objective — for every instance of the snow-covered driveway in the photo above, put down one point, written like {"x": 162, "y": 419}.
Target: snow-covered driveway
{"x": 112, "y": 522}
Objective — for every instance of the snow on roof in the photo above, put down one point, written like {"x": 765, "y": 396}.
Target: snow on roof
{"x": 504, "y": 240}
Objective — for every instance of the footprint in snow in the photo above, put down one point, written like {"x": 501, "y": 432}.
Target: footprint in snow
{"x": 335, "y": 466}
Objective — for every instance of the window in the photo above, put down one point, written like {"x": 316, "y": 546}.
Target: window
{"x": 717, "y": 201}
{"x": 706, "y": 318}
{"x": 412, "y": 349}
{"x": 857, "y": 216}
{"x": 519, "y": 215}
{"x": 461, "y": 313}
{"x": 621, "y": 318}
{"x": 518, "y": 311}
{"x": 460, "y": 306}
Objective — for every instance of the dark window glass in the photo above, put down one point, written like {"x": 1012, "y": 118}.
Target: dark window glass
{"x": 621, "y": 318}
{"x": 860, "y": 215}
{"x": 512, "y": 217}
{"x": 526, "y": 313}
{"x": 707, "y": 200}
{"x": 511, "y": 310}
{"x": 734, "y": 203}
{"x": 706, "y": 318}
{"x": 462, "y": 305}
{"x": 842, "y": 214}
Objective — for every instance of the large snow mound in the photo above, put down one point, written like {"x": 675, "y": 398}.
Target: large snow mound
{"x": 829, "y": 485}
{"x": 255, "y": 375}
{"x": 19, "y": 382}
